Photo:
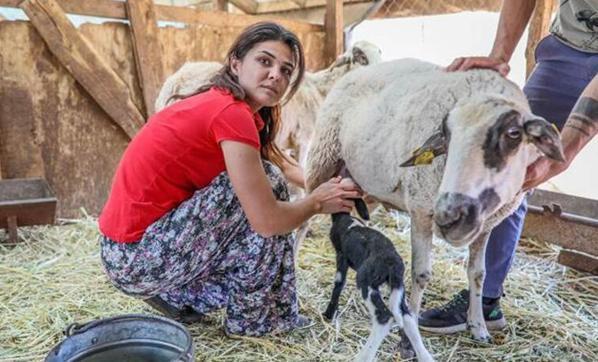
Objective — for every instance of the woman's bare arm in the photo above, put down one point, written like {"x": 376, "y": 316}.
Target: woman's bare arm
{"x": 267, "y": 215}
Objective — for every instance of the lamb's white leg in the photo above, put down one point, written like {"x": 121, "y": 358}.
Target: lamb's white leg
{"x": 412, "y": 332}
{"x": 476, "y": 272}
{"x": 379, "y": 329}
{"x": 421, "y": 259}
{"x": 396, "y": 298}
{"x": 407, "y": 321}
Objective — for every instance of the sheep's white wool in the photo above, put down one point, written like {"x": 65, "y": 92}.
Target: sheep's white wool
{"x": 375, "y": 116}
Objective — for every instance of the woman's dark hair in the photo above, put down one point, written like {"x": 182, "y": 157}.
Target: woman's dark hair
{"x": 225, "y": 79}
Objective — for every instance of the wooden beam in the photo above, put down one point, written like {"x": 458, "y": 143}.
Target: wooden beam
{"x": 333, "y": 25}
{"x": 148, "y": 60}
{"x": 116, "y": 10}
{"x": 220, "y": 5}
{"x": 579, "y": 261}
{"x": 84, "y": 63}
{"x": 538, "y": 29}
{"x": 247, "y": 6}
{"x": 288, "y": 5}
{"x": 300, "y": 3}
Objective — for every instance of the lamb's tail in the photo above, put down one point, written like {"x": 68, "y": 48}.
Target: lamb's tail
{"x": 324, "y": 155}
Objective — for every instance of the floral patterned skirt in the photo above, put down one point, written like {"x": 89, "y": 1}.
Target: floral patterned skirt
{"x": 204, "y": 254}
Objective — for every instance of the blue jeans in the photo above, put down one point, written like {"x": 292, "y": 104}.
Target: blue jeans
{"x": 560, "y": 75}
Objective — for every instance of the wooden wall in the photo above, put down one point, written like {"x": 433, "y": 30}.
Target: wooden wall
{"x": 52, "y": 126}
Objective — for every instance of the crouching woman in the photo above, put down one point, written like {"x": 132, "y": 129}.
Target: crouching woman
{"x": 198, "y": 217}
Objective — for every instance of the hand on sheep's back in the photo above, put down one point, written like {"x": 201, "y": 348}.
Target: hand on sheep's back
{"x": 466, "y": 63}
{"x": 335, "y": 196}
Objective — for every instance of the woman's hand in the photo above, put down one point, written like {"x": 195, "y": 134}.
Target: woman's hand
{"x": 335, "y": 196}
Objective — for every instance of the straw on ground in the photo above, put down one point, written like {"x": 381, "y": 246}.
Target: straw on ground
{"x": 55, "y": 278}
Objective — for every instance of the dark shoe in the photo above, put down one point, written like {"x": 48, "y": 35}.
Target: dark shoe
{"x": 184, "y": 315}
{"x": 452, "y": 317}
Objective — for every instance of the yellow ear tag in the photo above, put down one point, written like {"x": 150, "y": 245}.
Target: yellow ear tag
{"x": 556, "y": 128}
{"x": 425, "y": 158}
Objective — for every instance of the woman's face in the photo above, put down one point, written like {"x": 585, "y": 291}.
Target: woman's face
{"x": 264, "y": 73}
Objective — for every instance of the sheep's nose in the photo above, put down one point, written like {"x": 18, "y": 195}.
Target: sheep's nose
{"x": 455, "y": 211}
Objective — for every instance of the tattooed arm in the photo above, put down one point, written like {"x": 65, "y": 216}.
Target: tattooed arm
{"x": 581, "y": 127}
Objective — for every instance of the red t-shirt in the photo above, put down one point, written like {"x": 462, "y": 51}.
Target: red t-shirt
{"x": 176, "y": 153}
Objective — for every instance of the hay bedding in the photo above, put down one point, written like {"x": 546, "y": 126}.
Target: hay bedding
{"x": 55, "y": 278}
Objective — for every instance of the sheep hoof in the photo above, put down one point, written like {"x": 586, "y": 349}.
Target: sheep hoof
{"x": 405, "y": 348}
{"x": 328, "y": 315}
{"x": 483, "y": 339}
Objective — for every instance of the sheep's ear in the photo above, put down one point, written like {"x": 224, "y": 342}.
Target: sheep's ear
{"x": 360, "y": 57}
{"x": 546, "y": 137}
{"x": 433, "y": 147}
{"x": 343, "y": 59}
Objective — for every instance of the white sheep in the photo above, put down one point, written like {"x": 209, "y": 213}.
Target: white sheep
{"x": 377, "y": 117}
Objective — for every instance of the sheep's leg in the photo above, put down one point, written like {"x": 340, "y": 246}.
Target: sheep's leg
{"x": 421, "y": 259}
{"x": 421, "y": 271}
{"x": 339, "y": 282}
{"x": 476, "y": 272}
{"x": 381, "y": 322}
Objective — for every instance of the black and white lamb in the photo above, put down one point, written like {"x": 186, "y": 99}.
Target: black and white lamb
{"x": 372, "y": 255}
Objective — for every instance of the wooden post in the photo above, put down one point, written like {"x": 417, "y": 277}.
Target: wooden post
{"x": 333, "y": 26}
{"x": 84, "y": 63}
{"x": 148, "y": 59}
{"x": 538, "y": 29}
{"x": 12, "y": 228}
{"x": 220, "y": 5}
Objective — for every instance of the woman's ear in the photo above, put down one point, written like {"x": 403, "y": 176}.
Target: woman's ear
{"x": 234, "y": 66}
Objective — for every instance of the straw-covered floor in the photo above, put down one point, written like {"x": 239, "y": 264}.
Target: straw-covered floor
{"x": 55, "y": 278}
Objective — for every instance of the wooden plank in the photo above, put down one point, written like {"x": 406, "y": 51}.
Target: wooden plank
{"x": 220, "y": 5}
{"x": 116, "y": 10}
{"x": 538, "y": 29}
{"x": 19, "y": 147}
{"x": 582, "y": 262}
{"x": 552, "y": 229}
{"x": 266, "y": 7}
{"x": 247, "y": 6}
{"x": 333, "y": 25}
{"x": 101, "y": 8}
{"x": 192, "y": 16}
{"x": 82, "y": 61}
{"x": 144, "y": 32}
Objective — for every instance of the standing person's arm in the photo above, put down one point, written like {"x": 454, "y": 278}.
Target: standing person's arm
{"x": 514, "y": 16}
{"x": 267, "y": 215}
{"x": 581, "y": 127}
